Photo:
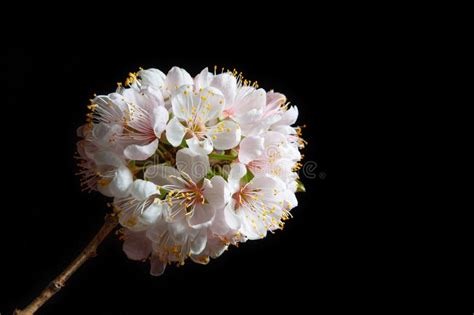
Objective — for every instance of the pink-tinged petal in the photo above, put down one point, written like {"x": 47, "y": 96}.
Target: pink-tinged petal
{"x": 177, "y": 77}
{"x": 194, "y": 165}
{"x": 142, "y": 189}
{"x": 157, "y": 266}
{"x": 136, "y": 245}
{"x": 140, "y": 152}
{"x": 202, "y": 80}
{"x": 202, "y": 216}
{"x": 216, "y": 191}
{"x": 275, "y": 100}
{"x": 225, "y": 135}
{"x": 182, "y": 102}
{"x": 232, "y": 220}
{"x": 152, "y": 77}
{"x": 251, "y": 148}
{"x": 160, "y": 117}
{"x": 227, "y": 84}
{"x": 162, "y": 175}
{"x": 203, "y": 147}
{"x": 199, "y": 242}
{"x": 237, "y": 171}
{"x": 175, "y": 132}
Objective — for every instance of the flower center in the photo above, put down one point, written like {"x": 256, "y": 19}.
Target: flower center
{"x": 196, "y": 129}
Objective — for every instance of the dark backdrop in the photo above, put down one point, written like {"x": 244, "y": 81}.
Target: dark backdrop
{"x": 46, "y": 220}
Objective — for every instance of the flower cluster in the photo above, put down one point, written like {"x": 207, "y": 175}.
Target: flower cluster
{"x": 193, "y": 164}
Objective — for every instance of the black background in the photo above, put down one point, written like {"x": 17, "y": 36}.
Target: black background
{"x": 46, "y": 220}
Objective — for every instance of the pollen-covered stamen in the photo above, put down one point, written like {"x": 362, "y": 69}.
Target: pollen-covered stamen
{"x": 103, "y": 109}
{"x": 88, "y": 175}
{"x": 139, "y": 127}
{"x": 185, "y": 197}
{"x": 298, "y": 137}
{"x": 131, "y": 208}
{"x": 257, "y": 207}
{"x": 105, "y": 176}
{"x": 196, "y": 123}
{"x": 132, "y": 79}
{"x": 196, "y": 129}
{"x": 91, "y": 176}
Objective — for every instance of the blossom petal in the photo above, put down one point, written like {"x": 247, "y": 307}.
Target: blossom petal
{"x": 136, "y": 245}
{"x": 203, "y": 147}
{"x": 225, "y": 135}
{"x": 179, "y": 230}
{"x": 121, "y": 183}
{"x": 107, "y": 158}
{"x": 160, "y": 117}
{"x": 177, "y": 77}
{"x": 251, "y": 148}
{"x": 251, "y": 226}
{"x": 227, "y": 84}
{"x": 194, "y": 165}
{"x": 151, "y": 214}
{"x": 162, "y": 175}
{"x": 249, "y": 98}
{"x": 215, "y": 246}
{"x": 157, "y": 266}
{"x": 237, "y": 171}
{"x": 218, "y": 225}
{"x": 175, "y": 132}
{"x": 289, "y": 117}
{"x": 203, "y": 79}
{"x": 231, "y": 218}
{"x": 216, "y": 191}
{"x": 182, "y": 102}
{"x": 104, "y": 134}
{"x": 142, "y": 189}
{"x": 275, "y": 100}
{"x": 210, "y": 104}
{"x": 152, "y": 77}
{"x": 202, "y": 216}
{"x": 199, "y": 243}
{"x": 140, "y": 152}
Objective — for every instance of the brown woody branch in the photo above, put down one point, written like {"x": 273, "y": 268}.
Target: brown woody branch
{"x": 60, "y": 281}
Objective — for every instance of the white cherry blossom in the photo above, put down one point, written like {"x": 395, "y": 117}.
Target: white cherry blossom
{"x": 193, "y": 164}
{"x": 196, "y": 120}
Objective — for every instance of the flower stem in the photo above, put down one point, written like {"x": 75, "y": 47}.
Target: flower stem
{"x": 60, "y": 281}
{"x": 216, "y": 156}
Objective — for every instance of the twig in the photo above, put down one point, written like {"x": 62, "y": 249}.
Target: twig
{"x": 60, "y": 281}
